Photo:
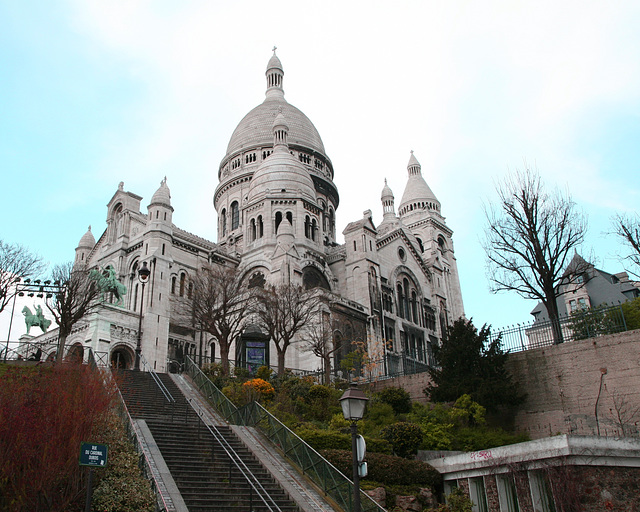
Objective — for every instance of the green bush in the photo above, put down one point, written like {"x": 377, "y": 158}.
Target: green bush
{"x": 121, "y": 486}
{"x": 480, "y": 438}
{"x": 405, "y": 438}
{"x": 457, "y": 501}
{"x": 387, "y": 469}
{"x": 398, "y": 398}
{"x": 264, "y": 373}
{"x": 377, "y": 415}
{"x": 330, "y": 439}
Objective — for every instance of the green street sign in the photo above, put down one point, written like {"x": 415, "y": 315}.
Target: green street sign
{"x": 94, "y": 455}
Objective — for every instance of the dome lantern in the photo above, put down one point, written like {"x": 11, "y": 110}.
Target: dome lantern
{"x": 280, "y": 131}
{"x": 274, "y": 74}
{"x": 388, "y": 206}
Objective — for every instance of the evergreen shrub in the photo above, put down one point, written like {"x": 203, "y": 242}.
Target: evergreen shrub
{"x": 398, "y": 398}
{"x": 387, "y": 469}
{"x": 405, "y": 438}
{"x": 330, "y": 439}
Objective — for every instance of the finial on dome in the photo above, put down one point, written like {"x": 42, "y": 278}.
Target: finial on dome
{"x": 274, "y": 74}
{"x": 388, "y": 208}
{"x": 87, "y": 241}
{"x": 280, "y": 130}
{"x": 413, "y": 166}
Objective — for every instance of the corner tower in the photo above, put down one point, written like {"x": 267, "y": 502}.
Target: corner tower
{"x": 420, "y": 212}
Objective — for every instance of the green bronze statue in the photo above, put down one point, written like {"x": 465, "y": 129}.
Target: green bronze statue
{"x": 107, "y": 282}
{"x": 37, "y": 320}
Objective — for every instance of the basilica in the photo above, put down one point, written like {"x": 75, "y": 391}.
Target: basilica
{"x": 393, "y": 287}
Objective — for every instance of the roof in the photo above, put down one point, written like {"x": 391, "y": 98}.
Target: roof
{"x": 162, "y": 195}
{"x": 87, "y": 240}
{"x": 256, "y": 128}
{"x": 562, "y": 449}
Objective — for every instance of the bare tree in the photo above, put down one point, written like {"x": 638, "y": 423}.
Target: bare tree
{"x": 284, "y": 311}
{"x": 627, "y": 227}
{"x": 530, "y": 238}
{"x": 218, "y": 304}
{"x": 78, "y": 298}
{"x": 322, "y": 343}
{"x": 16, "y": 263}
{"x": 624, "y": 414}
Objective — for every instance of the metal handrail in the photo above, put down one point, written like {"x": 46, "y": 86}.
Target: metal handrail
{"x": 308, "y": 461}
{"x": 165, "y": 391}
{"x": 132, "y": 434}
{"x": 237, "y": 460}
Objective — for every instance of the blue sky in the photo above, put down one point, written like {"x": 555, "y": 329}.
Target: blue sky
{"x": 94, "y": 93}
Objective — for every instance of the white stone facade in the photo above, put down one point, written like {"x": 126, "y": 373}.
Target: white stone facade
{"x": 394, "y": 287}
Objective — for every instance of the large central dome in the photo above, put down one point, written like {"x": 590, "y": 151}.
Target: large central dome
{"x": 255, "y": 129}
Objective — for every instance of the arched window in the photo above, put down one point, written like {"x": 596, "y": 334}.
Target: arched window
{"x": 289, "y": 216}
{"x": 253, "y": 230}
{"x": 307, "y": 227}
{"x": 332, "y": 225}
{"x": 278, "y": 220}
{"x": 405, "y": 294}
{"x": 260, "y": 227}
{"x": 314, "y": 227}
{"x": 420, "y": 244}
{"x": 313, "y": 278}
{"x": 223, "y": 221}
{"x": 183, "y": 279}
{"x": 400, "y": 300}
{"x": 414, "y": 307}
{"x": 257, "y": 280}
{"x": 173, "y": 285}
{"x": 235, "y": 215}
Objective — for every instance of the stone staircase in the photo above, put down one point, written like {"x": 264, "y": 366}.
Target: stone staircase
{"x": 200, "y": 463}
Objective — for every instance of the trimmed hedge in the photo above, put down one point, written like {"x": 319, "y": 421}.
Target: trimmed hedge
{"x": 330, "y": 439}
{"x": 388, "y": 469}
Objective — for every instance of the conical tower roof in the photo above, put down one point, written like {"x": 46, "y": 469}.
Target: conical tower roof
{"x": 162, "y": 196}
{"x": 417, "y": 193}
{"x": 87, "y": 241}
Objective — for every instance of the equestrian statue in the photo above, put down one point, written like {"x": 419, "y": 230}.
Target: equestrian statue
{"x": 35, "y": 320}
{"x": 107, "y": 282}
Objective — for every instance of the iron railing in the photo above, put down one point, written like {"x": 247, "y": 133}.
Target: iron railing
{"x": 133, "y": 436}
{"x": 307, "y": 460}
{"x": 581, "y": 324}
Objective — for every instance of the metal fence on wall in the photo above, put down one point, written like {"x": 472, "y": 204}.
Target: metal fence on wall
{"x": 583, "y": 324}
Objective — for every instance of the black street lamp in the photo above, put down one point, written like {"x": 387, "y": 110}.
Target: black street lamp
{"x": 143, "y": 277}
{"x": 353, "y": 402}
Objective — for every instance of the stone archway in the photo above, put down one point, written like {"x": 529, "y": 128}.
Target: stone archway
{"x": 75, "y": 354}
{"x": 122, "y": 358}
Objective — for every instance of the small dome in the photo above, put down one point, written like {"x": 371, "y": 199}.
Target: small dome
{"x": 281, "y": 173}
{"x": 162, "y": 195}
{"x": 417, "y": 191}
{"x": 87, "y": 241}
{"x": 386, "y": 191}
{"x": 274, "y": 63}
{"x": 280, "y": 122}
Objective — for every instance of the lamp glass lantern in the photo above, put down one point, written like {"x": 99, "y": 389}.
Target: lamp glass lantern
{"x": 144, "y": 273}
{"x": 353, "y": 402}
